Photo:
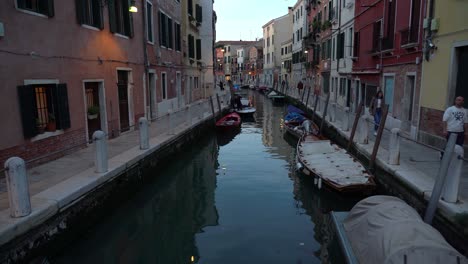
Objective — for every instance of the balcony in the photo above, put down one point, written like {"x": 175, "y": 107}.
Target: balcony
{"x": 409, "y": 37}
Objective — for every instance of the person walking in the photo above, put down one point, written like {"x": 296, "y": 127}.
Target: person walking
{"x": 221, "y": 85}
{"x": 455, "y": 121}
{"x": 375, "y": 109}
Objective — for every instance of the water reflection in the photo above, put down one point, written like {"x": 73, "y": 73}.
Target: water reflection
{"x": 233, "y": 198}
{"x": 159, "y": 224}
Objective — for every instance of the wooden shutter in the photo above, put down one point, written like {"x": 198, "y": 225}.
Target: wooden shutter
{"x": 79, "y": 6}
{"x": 27, "y": 104}
{"x": 50, "y": 8}
{"x": 97, "y": 8}
{"x": 112, "y": 17}
{"x": 63, "y": 112}
{"x": 356, "y": 44}
{"x": 199, "y": 13}
{"x": 130, "y": 25}
{"x": 198, "y": 49}
{"x": 21, "y": 3}
{"x": 170, "y": 36}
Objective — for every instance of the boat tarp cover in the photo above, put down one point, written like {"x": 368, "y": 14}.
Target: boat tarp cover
{"x": 384, "y": 229}
{"x": 294, "y": 117}
{"x": 293, "y": 109}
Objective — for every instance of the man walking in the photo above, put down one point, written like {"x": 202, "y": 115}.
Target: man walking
{"x": 456, "y": 121}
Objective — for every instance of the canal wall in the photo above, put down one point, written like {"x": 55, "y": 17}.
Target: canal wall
{"x": 68, "y": 212}
{"x": 400, "y": 181}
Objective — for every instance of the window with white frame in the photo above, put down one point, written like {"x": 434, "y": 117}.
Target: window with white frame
{"x": 44, "y": 7}
{"x": 164, "y": 85}
{"x": 89, "y": 12}
{"x": 149, "y": 21}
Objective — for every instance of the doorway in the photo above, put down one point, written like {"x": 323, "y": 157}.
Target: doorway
{"x": 179, "y": 89}
{"x": 122, "y": 86}
{"x": 389, "y": 82}
{"x": 152, "y": 94}
{"x": 95, "y": 107}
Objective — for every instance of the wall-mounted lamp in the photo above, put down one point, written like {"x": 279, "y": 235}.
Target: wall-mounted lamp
{"x": 133, "y": 7}
{"x": 306, "y": 51}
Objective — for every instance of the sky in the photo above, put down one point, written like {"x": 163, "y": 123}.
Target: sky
{"x": 243, "y": 19}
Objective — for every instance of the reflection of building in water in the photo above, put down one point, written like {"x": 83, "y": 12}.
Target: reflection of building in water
{"x": 317, "y": 204}
{"x": 159, "y": 224}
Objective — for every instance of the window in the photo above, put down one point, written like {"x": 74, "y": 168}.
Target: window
{"x": 199, "y": 45}
{"x": 177, "y": 37}
{"x": 350, "y": 45}
{"x": 170, "y": 37}
{"x": 45, "y": 7}
{"x": 199, "y": 11}
{"x": 195, "y": 80}
{"x": 300, "y": 34}
{"x": 190, "y": 8}
{"x": 272, "y": 39}
{"x": 164, "y": 85}
{"x": 42, "y": 104}
{"x": 340, "y": 46}
{"x": 282, "y": 51}
{"x": 387, "y": 42}
{"x": 120, "y": 19}
{"x": 356, "y": 45}
{"x": 376, "y": 35}
{"x": 149, "y": 21}
{"x": 191, "y": 46}
{"x": 166, "y": 38}
{"x": 333, "y": 49}
{"x": 89, "y": 12}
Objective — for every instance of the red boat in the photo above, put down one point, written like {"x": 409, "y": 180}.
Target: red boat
{"x": 229, "y": 121}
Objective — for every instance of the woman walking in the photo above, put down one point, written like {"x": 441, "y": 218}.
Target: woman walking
{"x": 376, "y": 109}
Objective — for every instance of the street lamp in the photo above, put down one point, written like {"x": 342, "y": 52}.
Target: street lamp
{"x": 133, "y": 8}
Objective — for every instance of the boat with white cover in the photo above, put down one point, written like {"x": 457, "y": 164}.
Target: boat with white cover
{"x": 331, "y": 164}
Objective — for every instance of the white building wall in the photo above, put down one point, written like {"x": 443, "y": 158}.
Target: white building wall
{"x": 207, "y": 38}
{"x": 340, "y": 68}
{"x": 300, "y": 22}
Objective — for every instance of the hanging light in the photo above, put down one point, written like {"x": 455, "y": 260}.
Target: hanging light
{"x": 133, "y": 7}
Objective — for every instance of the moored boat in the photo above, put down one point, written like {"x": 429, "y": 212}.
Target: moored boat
{"x": 230, "y": 120}
{"x": 332, "y": 165}
{"x": 384, "y": 229}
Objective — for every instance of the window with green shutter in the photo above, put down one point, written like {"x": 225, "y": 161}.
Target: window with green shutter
{"x": 41, "y": 104}
{"x": 89, "y": 12}
{"x": 45, "y": 7}
{"x": 120, "y": 19}
{"x": 199, "y": 49}
{"x": 191, "y": 46}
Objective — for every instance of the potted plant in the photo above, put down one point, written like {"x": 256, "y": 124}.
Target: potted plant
{"x": 51, "y": 125}
{"x": 93, "y": 112}
{"x": 39, "y": 126}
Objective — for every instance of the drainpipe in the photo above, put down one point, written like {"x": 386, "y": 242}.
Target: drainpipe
{"x": 381, "y": 46}
{"x": 145, "y": 58}
{"x": 427, "y": 49}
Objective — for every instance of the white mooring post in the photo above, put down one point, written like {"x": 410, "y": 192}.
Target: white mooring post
{"x": 333, "y": 112}
{"x": 363, "y": 131}
{"x": 394, "y": 148}
{"x": 170, "y": 122}
{"x": 452, "y": 182}
{"x": 100, "y": 158}
{"x": 345, "y": 121}
{"x": 144, "y": 135}
{"x": 18, "y": 188}
{"x": 189, "y": 115}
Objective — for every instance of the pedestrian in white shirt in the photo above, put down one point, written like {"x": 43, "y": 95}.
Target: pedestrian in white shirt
{"x": 456, "y": 121}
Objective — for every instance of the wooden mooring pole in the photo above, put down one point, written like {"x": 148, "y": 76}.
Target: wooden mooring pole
{"x": 356, "y": 120}
{"x": 307, "y": 100}
{"x": 324, "y": 115}
{"x": 378, "y": 138}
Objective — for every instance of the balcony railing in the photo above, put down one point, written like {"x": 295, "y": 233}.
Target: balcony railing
{"x": 409, "y": 36}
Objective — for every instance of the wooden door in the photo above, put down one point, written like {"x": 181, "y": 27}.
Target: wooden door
{"x": 122, "y": 86}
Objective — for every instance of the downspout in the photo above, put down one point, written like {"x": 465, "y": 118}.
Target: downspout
{"x": 145, "y": 59}
{"x": 336, "y": 48}
{"x": 427, "y": 49}
{"x": 381, "y": 46}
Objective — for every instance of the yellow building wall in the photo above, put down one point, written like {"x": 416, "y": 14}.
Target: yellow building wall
{"x": 453, "y": 28}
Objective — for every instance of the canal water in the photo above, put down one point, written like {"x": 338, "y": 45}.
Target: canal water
{"x": 230, "y": 198}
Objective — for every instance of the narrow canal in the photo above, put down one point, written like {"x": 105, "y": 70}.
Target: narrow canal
{"x": 228, "y": 199}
